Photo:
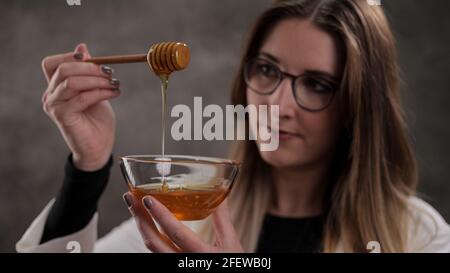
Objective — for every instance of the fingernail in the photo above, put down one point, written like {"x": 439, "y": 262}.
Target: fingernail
{"x": 78, "y": 56}
{"x": 114, "y": 82}
{"x": 127, "y": 200}
{"x": 148, "y": 202}
{"x": 116, "y": 90}
{"x": 107, "y": 70}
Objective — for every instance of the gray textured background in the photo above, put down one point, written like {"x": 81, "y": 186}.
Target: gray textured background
{"x": 33, "y": 153}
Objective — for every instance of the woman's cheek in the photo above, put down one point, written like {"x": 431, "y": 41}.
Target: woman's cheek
{"x": 322, "y": 135}
{"x": 252, "y": 98}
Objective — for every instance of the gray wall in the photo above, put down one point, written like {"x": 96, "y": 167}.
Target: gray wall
{"x": 33, "y": 153}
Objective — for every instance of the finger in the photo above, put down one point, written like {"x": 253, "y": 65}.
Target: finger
{"x": 66, "y": 70}
{"x": 181, "y": 235}
{"x": 224, "y": 229}
{"x": 51, "y": 63}
{"x": 82, "y": 48}
{"x": 153, "y": 239}
{"x": 71, "y": 69}
{"x": 89, "y": 98}
{"x": 72, "y": 86}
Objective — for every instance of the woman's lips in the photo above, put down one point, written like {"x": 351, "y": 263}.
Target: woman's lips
{"x": 285, "y": 135}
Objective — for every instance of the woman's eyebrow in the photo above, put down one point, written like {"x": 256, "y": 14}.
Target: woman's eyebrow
{"x": 322, "y": 74}
{"x": 313, "y": 72}
{"x": 270, "y": 57}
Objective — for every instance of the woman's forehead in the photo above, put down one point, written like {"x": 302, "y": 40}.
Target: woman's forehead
{"x": 299, "y": 45}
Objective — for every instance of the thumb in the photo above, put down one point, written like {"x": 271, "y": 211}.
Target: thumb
{"x": 82, "y": 48}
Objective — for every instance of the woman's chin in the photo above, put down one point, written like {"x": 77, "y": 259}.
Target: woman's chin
{"x": 282, "y": 159}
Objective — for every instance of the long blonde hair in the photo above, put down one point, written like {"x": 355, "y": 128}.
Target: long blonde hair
{"x": 375, "y": 170}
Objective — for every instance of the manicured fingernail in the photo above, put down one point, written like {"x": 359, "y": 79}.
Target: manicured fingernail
{"x": 148, "y": 202}
{"x": 107, "y": 70}
{"x": 114, "y": 82}
{"x": 127, "y": 200}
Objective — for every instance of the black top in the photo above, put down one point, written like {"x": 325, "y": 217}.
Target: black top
{"x": 292, "y": 235}
{"x": 76, "y": 203}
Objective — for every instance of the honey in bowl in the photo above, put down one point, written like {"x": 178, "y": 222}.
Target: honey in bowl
{"x": 187, "y": 204}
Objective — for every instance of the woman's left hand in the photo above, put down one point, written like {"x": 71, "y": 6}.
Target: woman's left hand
{"x": 176, "y": 237}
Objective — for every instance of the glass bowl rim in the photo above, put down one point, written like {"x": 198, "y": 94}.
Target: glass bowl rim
{"x": 188, "y": 159}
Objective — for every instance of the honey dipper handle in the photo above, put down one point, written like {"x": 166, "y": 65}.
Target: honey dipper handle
{"x": 121, "y": 59}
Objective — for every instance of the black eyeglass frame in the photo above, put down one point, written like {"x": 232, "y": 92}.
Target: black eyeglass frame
{"x": 282, "y": 76}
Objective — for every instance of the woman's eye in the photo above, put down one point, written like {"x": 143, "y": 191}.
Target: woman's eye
{"x": 266, "y": 70}
{"x": 318, "y": 86}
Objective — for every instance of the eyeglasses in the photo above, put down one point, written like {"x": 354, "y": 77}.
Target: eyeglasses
{"x": 313, "y": 91}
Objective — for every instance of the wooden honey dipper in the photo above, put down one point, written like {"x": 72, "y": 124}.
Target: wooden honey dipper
{"x": 163, "y": 58}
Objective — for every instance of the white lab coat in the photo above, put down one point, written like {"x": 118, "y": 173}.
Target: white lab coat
{"x": 428, "y": 232}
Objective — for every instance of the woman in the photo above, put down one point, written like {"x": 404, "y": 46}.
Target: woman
{"x": 342, "y": 179}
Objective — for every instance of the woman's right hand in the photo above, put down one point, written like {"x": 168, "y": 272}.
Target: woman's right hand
{"x": 76, "y": 99}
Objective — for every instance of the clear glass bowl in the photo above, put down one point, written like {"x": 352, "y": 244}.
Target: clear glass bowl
{"x": 191, "y": 187}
